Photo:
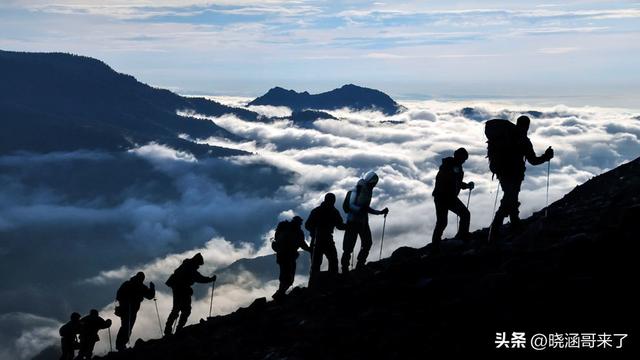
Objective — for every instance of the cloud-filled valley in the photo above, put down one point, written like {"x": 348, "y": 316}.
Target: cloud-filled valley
{"x": 97, "y": 217}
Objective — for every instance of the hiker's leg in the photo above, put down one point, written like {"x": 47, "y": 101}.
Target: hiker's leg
{"x": 173, "y": 315}
{"x": 442, "y": 211}
{"x": 348, "y": 243}
{"x": 332, "y": 257}
{"x": 514, "y": 213}
{"x": 185, "y": 309}
{"x": 123, "y": 333}
{"x": 365, "y": 244}
{"x": 461, "y": 210}
{"x": 318, "y": 252}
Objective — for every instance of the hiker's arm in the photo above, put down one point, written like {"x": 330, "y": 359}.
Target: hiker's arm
{"x": 531, "y": 156}
{"x": 199, "y": 278}
{"x": 303, "y": 244}
{"x": 384, "y": 211}
{"x": 310, "y": 223}
{"x": 150, "y": 292}
{"x": 339, "y": 222}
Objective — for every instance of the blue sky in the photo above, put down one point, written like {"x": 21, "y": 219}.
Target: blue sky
{"x": 569, "y": 52}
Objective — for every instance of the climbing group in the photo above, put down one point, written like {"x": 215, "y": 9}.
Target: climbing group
{"x": 82, "y": 334}
{"x": 508, "y": 149}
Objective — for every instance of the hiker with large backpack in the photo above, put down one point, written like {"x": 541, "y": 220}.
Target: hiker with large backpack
{"x": 69, "y": 337}
{"x": 90, "y": 325}
{"x": 320, "y": 224}
{"x": 357, "y": 205}
{"x": 289, "y": 237}
{"x": 445, "y": 196}
{"x": 130, "y": 296}
{"x": 180, "y": 283}
{"x": 508, "y": 148}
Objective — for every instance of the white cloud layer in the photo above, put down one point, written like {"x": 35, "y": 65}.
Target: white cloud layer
{"x": 227, "y": 208}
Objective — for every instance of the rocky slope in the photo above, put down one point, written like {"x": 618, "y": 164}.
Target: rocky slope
{"x": 571, "y": 271}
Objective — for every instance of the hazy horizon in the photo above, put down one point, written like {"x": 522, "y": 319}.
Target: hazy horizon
{"x": 582, "y": 52}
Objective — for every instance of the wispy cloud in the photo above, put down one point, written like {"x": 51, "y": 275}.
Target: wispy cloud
{"x": 558, "y": 50}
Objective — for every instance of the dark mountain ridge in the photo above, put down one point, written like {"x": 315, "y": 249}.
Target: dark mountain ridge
{"x": 569, "y": 272}
{"x": 351, "y": 96}
{"x": 62, "y": 102}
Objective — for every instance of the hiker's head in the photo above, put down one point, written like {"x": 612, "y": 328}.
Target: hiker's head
{"x": 330, "y": 199}
{"x": 523, "y": 123}
{"x": 93, "y": 312}
{"x": 139, "y": 277}
{"x": 461, "y": 155}
{"x": 75, "y": 316}
{"x": 371, "y": 179}
{"x": 297, "y": 220}
{"x": 198, "y": 259}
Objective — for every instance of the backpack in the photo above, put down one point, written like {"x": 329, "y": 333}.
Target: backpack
{"x": 178, "y": 275}
{"x": 502, "y": 138}
{"x": 282, "y": 230}
{"x": 345, "y": 203}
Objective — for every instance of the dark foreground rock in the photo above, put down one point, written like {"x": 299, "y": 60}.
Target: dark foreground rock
{"x": 570, "y": 272}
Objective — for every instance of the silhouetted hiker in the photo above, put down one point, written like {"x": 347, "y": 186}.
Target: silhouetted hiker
{"x": 445, "y": 196}
{"x": 69, "y": 337}
{"x": 91, "y": 324}
{"x": 508, "y": 147}
{"x": 357, "y": 206}
{"x": 130, "y": 296}
{"x": 289, "y": 238}
{"x": 180, "y": 283}
{"x": 320, "y": 224}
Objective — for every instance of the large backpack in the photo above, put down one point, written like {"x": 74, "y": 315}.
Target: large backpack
{"x": 280, "y": 238}
{"x": 502, "y": 137}
{"x": 345, "y": 203}
{"x": 179, "y": 275}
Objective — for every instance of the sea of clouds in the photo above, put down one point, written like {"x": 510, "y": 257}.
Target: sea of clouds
{"x": 78, "y": 224}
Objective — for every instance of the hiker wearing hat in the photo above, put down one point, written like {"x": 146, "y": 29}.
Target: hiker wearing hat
{"x": 69, "y": 337}
{"x": 358, "y": 204}
{"x": 130, "y": 296}
{"x": 508, "y": 148}
{"x": 180, "y": 283}
{"x": 289, "y": 238}
{"x": 445, "y": 196}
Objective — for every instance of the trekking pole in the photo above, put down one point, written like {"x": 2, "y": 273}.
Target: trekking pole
{"x": 384, "y": 224}
{"x": 158, "y": 314}
{"x": 213, "y": 283}
{"x": 110, "y": 342}
{"x": 546, "y": 210}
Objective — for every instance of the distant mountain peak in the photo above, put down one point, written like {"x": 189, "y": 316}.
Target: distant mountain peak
{"x": 349, "y": 96}
{"x": 80, "y": 103}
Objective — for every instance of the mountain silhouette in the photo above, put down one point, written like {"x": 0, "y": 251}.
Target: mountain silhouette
{"x": 62, "y": 102}
{"x": 568, "y": 272}
{"x": 351, "y": 96}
